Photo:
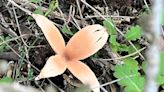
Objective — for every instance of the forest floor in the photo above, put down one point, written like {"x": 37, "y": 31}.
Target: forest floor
{"x": 26, "y": 50}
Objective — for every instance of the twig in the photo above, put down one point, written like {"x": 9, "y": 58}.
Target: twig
{"x": 71, "y": 81}
{"x": 78, "y": 5}
{"x": 18, "y": 37}
{"x": 146, "y": 5}
{"x": 8, "y": 31}
{"x": 107, "y": 16}
{"x": 6, "y": 27}
{"x": 153, "y": 54}
{"x": 23, "y": 9}
{"x": 69, "y": 15}
{"x": 73, "y": 18}
{"x": 105, "y": 3}
{"x": 123, "y": 56}
{"x": 114, "y": 81}
{"x": 29, "y": 5}
{"x": 18, "y": 54}
{"x": 19, "y": 30}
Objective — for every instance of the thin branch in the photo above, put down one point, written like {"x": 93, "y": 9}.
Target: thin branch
{"x": 118, "y": 58}
{"x": 117, "y": 80}
{"x": 23, "y": 9}
{"x": 78, "y": 5}
{"x": 153, "y": 54}
{"x": 146, "y": 5}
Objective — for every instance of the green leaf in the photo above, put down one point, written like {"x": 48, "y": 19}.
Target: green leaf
{"x": 114, "y": 48}
{"x": 30, "y": 74}
{"x": 113, "y": 43}
{"x": 35, "y": 1}
{"x": 162, "y": 86}
{"x": 129, "y": 68}
{"x": 162, "y": 15}
{"x": 66, "y": 30}
{"x": 162, "y": 63}
{"x": 144, "y": 66}
{"x": 134, "y": 33}
{"x": 3, "y": 47}
{"x": 38, "y": 10}
{"x": 7, "y": 47}
{"x": 132, "y": 50}
{"x": 6, "y": 80}
{"x": 162, "y": 91}
{"x": 113, "y": 34}
{"x": 110, "y": 28}
{"x": 53, "y": 5}
{"x": 160, "y": 78}
{"x": 123, "y": 47}
{"x": 112, "y": 40}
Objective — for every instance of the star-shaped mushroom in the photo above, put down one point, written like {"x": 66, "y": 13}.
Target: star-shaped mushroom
{"x": 83, "y": 44}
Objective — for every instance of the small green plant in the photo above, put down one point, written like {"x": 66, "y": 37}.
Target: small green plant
{"x": 128, "y": 72}
{"x": 160, "y": 78}
{"x": 30, "y": 74}
{"x": 35, "y": 1}
{"x": 111, "y": 29}
{"x": 113, "y": 35}
{"x": 3, "y": 47}
{"x": 52, "y": 6}
{"x": 132, "y": 79}
{"x": 162, "y": 14}
{"x": 6, "y": 80}
{"x": 38, "y": 9}
{"x": 65, "y": 30}
{"x": 133, "y": 33}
